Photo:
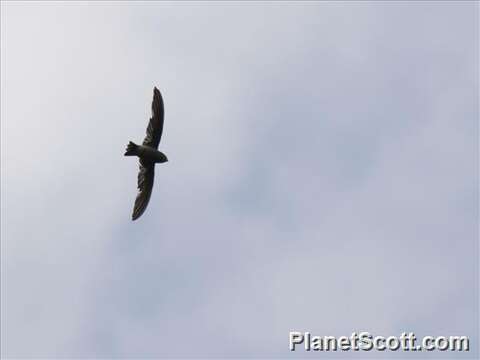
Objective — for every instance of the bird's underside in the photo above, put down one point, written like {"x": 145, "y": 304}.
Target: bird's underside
{"x": 148, "y": 155}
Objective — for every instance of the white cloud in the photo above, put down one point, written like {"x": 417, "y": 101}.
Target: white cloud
{"x": 322, "y": 176}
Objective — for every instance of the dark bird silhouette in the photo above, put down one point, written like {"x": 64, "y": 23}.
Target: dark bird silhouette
{"x": 148, "y": 155}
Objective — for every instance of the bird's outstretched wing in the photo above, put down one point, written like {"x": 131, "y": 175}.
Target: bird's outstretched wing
{"x": 155, "y": 125}
{"x": 145, "y": 185}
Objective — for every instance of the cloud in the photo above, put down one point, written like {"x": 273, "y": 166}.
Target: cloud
{"x": 322, "y": 176}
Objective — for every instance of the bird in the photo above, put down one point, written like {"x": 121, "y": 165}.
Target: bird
{"x": 148, "y": 155}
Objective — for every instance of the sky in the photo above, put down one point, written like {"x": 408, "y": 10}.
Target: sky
{"x": 322, "y": 177}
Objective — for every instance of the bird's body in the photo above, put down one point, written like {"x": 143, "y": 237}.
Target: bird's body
{"x": 148, "y": 155}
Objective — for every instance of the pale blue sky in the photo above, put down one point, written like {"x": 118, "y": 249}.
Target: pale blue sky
{"x": 323, "y": 176}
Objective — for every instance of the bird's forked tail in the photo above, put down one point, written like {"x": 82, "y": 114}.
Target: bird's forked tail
{"x": 131, "y": 149}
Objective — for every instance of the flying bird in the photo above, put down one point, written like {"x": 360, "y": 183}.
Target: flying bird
{"x": 148, "y": 155}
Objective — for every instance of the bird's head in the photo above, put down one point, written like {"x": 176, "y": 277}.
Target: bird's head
{"x": 161, "y": 157}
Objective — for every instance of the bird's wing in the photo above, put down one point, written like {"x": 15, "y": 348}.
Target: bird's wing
{"x": 155, "y": 125}
{"x": 145, "y": 185}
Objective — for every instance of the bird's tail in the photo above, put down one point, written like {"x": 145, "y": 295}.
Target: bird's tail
{"x": 131, "y": 149}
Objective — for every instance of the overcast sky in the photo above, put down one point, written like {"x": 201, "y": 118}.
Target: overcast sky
{"x": 322, "y": 176}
